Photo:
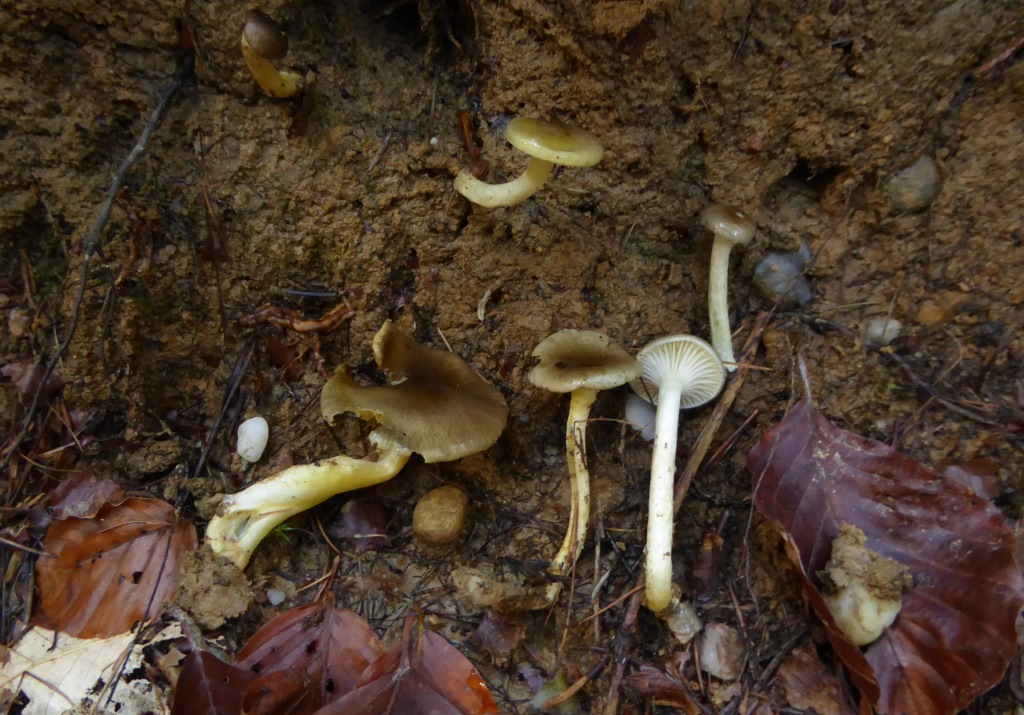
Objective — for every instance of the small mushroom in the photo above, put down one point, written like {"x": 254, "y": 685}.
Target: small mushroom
{"x": 582, "y": 362}
{"x": 679, "y": 372}
{"x": 731, "y": 227}
{"x": 437, "y": 406}
{"x": 548, "y": 143}
{"x": 263, "y": 40}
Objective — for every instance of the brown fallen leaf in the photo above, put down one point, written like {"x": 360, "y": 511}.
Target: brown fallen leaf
{"x": 663, "y": 689}
{"x": 325, "y": 649}
{"x": 363, "y": 524}
{"x": 209, "y": 686}
{"x": 809, "y": 685}
{"x": 498, "y": 634}
{"x": 83, "y": 494}
{"x": 422, "y": 675}
{"x": 956, "y": 631}
{"x": 109, "y": 571}
{"x": 28, "y": 377}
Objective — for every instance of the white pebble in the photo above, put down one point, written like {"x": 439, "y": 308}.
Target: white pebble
{"x": 879, "y": 332}
{"x": 275, "y": 596}
{"x": 252, "y": 438}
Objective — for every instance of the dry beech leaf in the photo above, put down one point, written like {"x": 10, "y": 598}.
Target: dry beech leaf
{"x": 498, "y": 634}
{"x": 209, "y": 686}
{"x": 325, "y": 648}
{"x": 362, "y": 524}
{"x": 59, "y": 673}
{"x": 422, "y": 675}
{"x": 663, "y": 689}
{"x": 956, "y": 632}
{"x": 810, "y": 686}
{"x": 83, "y": 494}
{"x": 112, "y": 570}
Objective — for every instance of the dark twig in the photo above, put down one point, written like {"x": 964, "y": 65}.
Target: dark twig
{"x": 237, "y": 373}
{"x": 91, "y": 244}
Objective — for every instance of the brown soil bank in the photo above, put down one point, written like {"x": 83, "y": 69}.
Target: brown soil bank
{"x": 800, "y": 113}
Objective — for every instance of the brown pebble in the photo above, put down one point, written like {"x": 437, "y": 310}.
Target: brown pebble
{"x": 439, "y": 516}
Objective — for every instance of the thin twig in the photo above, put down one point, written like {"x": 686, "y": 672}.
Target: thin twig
{"x": 92, "y": 242}
{"x": 237, "y": 373}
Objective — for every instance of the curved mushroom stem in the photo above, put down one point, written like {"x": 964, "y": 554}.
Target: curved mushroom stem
{"x": 661, "y": 514}
{"x": 579, "y": 481}
{"x": 508, "y": 194}
{"x": 247, "y": 517}
{"x": 277, "y": 84}
{"x": 718, "y": 303}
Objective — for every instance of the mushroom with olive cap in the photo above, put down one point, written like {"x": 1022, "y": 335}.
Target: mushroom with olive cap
{"x": 547, "y": 143}
{"x": 679, "y": 372}
{"x": 263, "y": 40}
{"x": 582, "y": 362}
{"x": 436, "y": 406}
{"x": 731, "y": 227}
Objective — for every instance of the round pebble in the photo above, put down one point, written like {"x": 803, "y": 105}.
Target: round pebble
{"x": 914, "y": 188}
{"x": 440, "y": 515}
{"x": 253, "y": 435}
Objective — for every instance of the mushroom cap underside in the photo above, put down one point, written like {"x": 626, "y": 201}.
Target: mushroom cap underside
{"x": 685, "y": 359}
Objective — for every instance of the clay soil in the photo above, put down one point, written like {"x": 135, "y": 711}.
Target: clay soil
{"x": 799, "y": 113}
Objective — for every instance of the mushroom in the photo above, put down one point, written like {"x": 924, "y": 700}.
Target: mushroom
{"x": 731, "y": 227}
{"x": 581, "y": 362}
{"x": 436, "y": 406}
{"x": 679, "y": 372}
{"x": 263, "y": 40}
{"x": 548, "y": 143}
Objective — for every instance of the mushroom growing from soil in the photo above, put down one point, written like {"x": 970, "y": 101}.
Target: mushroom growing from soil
{"x": 731, "y": 227}
{"x": 679, "y": 372}
{"x": 263, "y": 40}
{"x": 547, "y": 143}
{"x": 436, "y": 406}
{"x": 581, "y": 362}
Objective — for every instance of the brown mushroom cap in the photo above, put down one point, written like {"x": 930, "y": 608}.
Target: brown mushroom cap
{"x": 436, "y": 405}
{"x": 265, "y": 36}
{"x": 574, "y": 359}
{"x": 728, "y": 223}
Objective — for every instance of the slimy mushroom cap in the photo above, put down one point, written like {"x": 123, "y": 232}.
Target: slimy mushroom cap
{"x": 728, "y": 223}
{"x": 436, "y": 405}
{"x": 574, "y": 359}
{"x": 554, "y": 141}
{"x": 683, "y": 358}
{"x": 265, "y": 36}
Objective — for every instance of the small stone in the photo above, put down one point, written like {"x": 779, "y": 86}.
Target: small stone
{"x": 914, "y": 188}
{"x": 879, "y": 332}
{"x": 19, "y": 322}
{"x": 253, "y": 435}
{"x": 721, "y": 651}
{"x": 440, "y": 515}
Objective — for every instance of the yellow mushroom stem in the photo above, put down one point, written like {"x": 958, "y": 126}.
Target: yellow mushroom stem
{"x": 280, "y": 85}
{"x": 579, "y": 480}
{"x": 507, "y": 194}
{"x": 245, "y": 518}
